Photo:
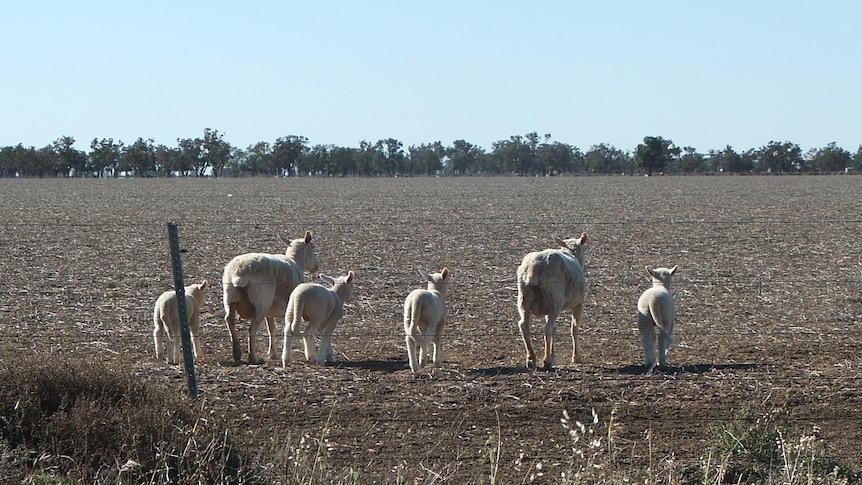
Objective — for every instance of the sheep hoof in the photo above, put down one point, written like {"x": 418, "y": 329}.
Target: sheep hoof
{"x": 237, "y": 355}
{"x": 531, "y": 364}
{"x": 255, "y": 361}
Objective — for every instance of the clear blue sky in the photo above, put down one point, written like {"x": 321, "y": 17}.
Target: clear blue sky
{"x": 704, "y": 74}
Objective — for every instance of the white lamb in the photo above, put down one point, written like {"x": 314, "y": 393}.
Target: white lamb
{"x": 322, "y": 308}
{"x": 424, "y": 317}
{"x": 549, "y": 282}
{"x": 656, "y": 308}
{"x": 257, "y": 287}
{"x": 166, "y": 321}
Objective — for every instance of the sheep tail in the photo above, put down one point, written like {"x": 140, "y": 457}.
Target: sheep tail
{"x": 238, "y": 281}
{"x": 658, "y": 318}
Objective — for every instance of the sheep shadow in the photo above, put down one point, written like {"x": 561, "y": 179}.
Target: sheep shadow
{"x": 675, "y": 370}
{"x": 387, "y": 366}
{"x": 502, "y": 371}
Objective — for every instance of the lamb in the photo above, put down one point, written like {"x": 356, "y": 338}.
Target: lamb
{"x": 656, "y": 308}
{"x": 257, "y": 287}
{"x": 549, "y": 282}
{"x": 166, "y": 321}
{"x": 322, "y": 308}
{"x": 424, "y": 317}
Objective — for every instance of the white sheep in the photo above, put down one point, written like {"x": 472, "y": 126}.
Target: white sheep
{"x": 424, "y": 317}
{"x": 166, "y": 321}
{"x": 322, "y": 308}
{"x": 549, "y": 282}
{"x": 656, "y": 308}
{"x": 257, "y": 287}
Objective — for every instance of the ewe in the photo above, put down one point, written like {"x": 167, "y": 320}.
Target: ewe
{"x": 257, "y": 287}
{"x": 166, "y": 321}
{"x": 657, "y": 309}
{"x": 549, "y": 282}
{"x": 424, "y": 316}
{"x": 322, "y": 308}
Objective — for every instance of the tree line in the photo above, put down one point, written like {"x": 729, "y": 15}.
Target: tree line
{"x": 530, "y": 154}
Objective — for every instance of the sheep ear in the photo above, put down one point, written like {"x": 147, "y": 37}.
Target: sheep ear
{"x": 673, "y": 270}
{"x": 203, "y": 284}
{"x": 445, "y": 273}
{"x": 327, "y": 279}
{"x": 583, "y": 238}
{"x": 307, "y": 237}
{"x": 350, "y": 276}
{"x": 649, "y": 271}
{"x": 558, "y": 240}
{"x": 284, "y": 239}
{"x": 426, "y": 276}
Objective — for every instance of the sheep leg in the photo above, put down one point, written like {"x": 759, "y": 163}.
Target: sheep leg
{"x": 253, "y": 327}
{"x": 308, "y": 342}
{"x": 524, "y": 327}
{"x": 665, "y": 340}
{"x": 285, "y": 348}
{"x": 287, "y": 341}
{"x": 577, "y": 318}
{"x": 438, "y": 350}
{"x": 412, "y": 350}
{"x": 230, "y": 320}
{"x": 550, "y": 322}
{"x": 176, "y": 349}
{"x": 158, "y": 337}
{"x": 645, "y": 326}
{"x": 270, "y": 327}
{"x": 195, "y": 327}
{"x": 325, "y": 353}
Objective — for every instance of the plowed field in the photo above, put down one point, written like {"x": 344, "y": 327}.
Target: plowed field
{"x": 768, "y": 291}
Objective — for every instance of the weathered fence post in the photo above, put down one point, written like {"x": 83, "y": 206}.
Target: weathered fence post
{"x": 180, "y": 287}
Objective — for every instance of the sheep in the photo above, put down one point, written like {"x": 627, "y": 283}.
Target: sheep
{"x": 166, "y": 321}
{"x": 257, "y": 287}
{"x": 424, "y": 317}
{"x": 322, "y": 308}
{"x": 656, "y": 308}
{"x": 549, "y": 282}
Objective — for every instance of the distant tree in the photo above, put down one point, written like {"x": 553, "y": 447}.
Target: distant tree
{"x": 691, "y": 162}
{"x": 139, "y": 158}
{"x": 169, "y": 160}
{"x": 24, "y": 161}
{"x": 857, "y": 160}
{"x": 830, "y": 158}
{"x": 315, "y": 160}
{"x": 463, "y": 157}
{"x": 778, "y": 157}
{"x": 426, "y": 158}
{"x": 605, "y": 158}
{"x": 259, "y": 159}
{"x": 286, "y": 151}
{"x": 390, "y": 157}
{"x": 191, "y": 155}
{"x": 728, "y": 160}
{"x": 68, "y": 159}
{"x": 559, "y": 157}
{"x": 104, "y": 156}
{"x": 515, "y": 155}
{"x": 343, "y": 160}
{"x": 238, "y": 162}
{"x": 655, "y": 153}
{"x": 215, "y": 153}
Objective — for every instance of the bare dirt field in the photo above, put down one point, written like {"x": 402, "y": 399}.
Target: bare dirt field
{"x": 769, "y": 326}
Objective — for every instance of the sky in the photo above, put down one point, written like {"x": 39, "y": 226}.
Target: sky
{"x": 703, "y": 74}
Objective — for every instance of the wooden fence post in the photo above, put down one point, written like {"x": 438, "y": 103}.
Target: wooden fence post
{"x": 180, "y": 287}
